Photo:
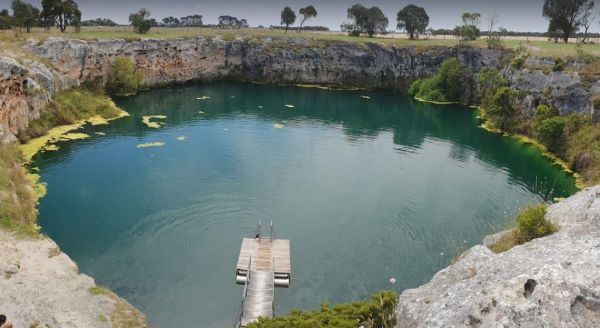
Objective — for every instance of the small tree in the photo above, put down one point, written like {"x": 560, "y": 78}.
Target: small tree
{"x": 288, "y": 17}
{"x": 60, "y": 13}
{"x": 413, "y": 19}
{"x": 123, "y": 77}
{"x": 469, "y": 31}
{"x": 140, "y": 22}
{"x": 307, "y": 13}
{"x": 6, "y": 21}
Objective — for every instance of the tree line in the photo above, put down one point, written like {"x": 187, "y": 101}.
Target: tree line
{"x": 566, "y": 18}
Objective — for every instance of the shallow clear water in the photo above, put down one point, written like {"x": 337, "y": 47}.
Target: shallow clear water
{"x": 365, "y": 189}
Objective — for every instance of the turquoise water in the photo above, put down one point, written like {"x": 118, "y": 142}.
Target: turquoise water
{"x": 365, "y": 189}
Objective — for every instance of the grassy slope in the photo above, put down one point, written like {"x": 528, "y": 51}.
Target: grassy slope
{"x": 539, "y": 46}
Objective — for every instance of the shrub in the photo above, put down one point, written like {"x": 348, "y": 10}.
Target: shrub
{"x": 451, "y": 83}
{"x": 518, "y": 63}
{"x": 373, "y": 313}
{"x": 123, "y": 77}
{"x": 498, "y": 108}
{"x": 531, "y": 223}
{"x": 490, "y": 80}
{"x": 596, "y": 102}
{"x": 550, "y": 132}
{"x": 558, "y": 65}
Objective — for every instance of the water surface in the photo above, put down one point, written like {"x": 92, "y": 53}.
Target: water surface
{"x": 365, "y": 189}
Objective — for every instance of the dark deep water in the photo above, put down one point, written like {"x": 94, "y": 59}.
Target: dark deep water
{"x": 365, "y": 189}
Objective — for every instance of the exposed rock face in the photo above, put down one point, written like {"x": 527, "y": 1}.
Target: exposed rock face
{"x": 562, "y": 90}
{"x": 285, "y": 61}
{"x": 549, "y": 282}
{"x": 39, "y": 284}
{"x": 24, "y": 91}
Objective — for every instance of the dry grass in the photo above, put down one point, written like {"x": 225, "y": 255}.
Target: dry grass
{"x": 18, "y": 195}
{"x": 537, "y": 46}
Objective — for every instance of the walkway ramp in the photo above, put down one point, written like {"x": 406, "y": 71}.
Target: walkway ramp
{"x": 263, "y": 264}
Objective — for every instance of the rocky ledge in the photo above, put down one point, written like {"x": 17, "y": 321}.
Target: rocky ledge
{"x": 549, "y": 282}
{"x": 41, "y": 287}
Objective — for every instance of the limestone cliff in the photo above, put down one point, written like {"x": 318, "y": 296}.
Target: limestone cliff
{"x": 549, "y": 282}
{"x": 26, "y": 86}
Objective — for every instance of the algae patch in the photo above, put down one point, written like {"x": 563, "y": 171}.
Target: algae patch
{"x": 150, "y": 121}
{"x": 365, "y": 97}
{"x": 151, "y": 144}
{"x": 182, "y": 138}
{"x": 203, "y": 98}
{"x": 278, "y": 126}
{"x": 289, "y": 106}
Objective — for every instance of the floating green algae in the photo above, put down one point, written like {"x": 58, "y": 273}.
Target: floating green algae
{"x": 151, "y": 144}
{"x": 148, "y": 120}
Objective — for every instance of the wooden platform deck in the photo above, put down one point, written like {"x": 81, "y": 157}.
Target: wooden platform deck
{"x": 268, "y": 261}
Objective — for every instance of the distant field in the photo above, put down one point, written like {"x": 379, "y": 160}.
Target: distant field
{"x": 537, "y": 46}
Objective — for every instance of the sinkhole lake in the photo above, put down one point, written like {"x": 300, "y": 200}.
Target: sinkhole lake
{"x": 365, "y": 189}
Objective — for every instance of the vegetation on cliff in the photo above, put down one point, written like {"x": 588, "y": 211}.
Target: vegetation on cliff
{"x": 68, "y": 107}
{"x": 377, "y": 312}
{"x": 18, "y": 192}
{"x": 446, "y": 85}
{"x": 123, "y": 77}
{"x": 530, "y": 224}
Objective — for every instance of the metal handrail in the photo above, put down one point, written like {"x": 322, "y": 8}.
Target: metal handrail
{"x": 273, "y": 304}
{"x": 258, "y": 229}
{"x": 238, "y": 321}
{"x": 272, "y": 232}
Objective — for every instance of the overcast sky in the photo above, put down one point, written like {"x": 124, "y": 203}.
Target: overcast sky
{"x": 516, "y": 15}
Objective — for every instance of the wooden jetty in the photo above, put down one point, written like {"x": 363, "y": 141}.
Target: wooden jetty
{"x": 263, "y": 264}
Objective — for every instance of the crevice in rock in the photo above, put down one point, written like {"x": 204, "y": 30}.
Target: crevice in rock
{"x": 529, "y": 287}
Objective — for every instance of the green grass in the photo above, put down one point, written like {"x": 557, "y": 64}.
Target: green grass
{"x": 376, "y": 312}
{"x": 537, "y": 46}
{"x": 530, "y": 224}
{"x": 68, "y": 107}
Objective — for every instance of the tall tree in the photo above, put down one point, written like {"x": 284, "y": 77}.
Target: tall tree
{"x": 307, "y": 13}
{"x": 413, "y": 19}
{"x": 140, "y": 21}
{"x": 25, "y": 15}
{"x": 288, "y": 17}
{"x": 566, "y": 16}
{"x": 367, "y": 20}
{"x": 60, "y": 13}
{"x": 469, "y": 31}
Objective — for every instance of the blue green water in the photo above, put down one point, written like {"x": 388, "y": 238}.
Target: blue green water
{"x": 365, "y": 189}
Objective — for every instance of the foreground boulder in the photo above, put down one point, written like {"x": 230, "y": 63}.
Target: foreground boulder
{"x": 549, "y": 282}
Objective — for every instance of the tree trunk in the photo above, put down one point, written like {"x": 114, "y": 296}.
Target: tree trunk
{"x": 286, "y": 28}
{"x": 300, "y": 27}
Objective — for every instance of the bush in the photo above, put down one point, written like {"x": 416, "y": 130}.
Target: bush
{"x": 518, "y": 63}
{"x": 123, "y": 77}
{"x": 498, "y": 108}
{"x": 374, "y": 313}
{"x": 550, "y": 131}
{"x": 451, "y": 83}
{"x": 531, "y": 223}
{"x": 490, "y": 80}
{"x": 558, "y": 65}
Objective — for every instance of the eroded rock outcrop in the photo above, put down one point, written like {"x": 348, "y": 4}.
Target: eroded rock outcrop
{"x": 42, "y": 287}
{"x": 549, "y": 282}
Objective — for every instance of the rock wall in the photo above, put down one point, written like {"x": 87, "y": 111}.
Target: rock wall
{"x": 266, "y": 60}
{"x": 42, "y": 287}
{"x": 549, "y": 282}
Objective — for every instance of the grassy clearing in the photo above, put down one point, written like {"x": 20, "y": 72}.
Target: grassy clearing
{"x": 377, "y": 312}
{"x": 530, "y": 224}
{"x": 124, "y": 315}
{"x": 538, "y": 46}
